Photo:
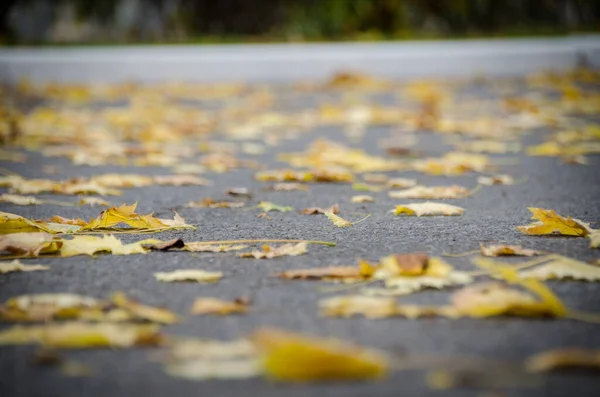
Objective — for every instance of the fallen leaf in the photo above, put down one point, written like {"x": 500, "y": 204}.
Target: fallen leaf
{"x": 78, "y": 335}
{"x": 549, "y": 222}
{"x": 428, "y": 209}
{"x": 239, "y": 192}
{"x": 400, "y": 183}
{"x": 158, "y": 245}
{"x": 594, "y": 239}
{"x": 93, "y": 201}
{"x": 376, "y": 178}
{"x": 29, "y": 244}
{"x": 12, "y": 223}
{"x": 296, "y": 358}
{"x": 20, "y": 200}
{"x": 362, "y": 199}
{"x": 125, "y": 214}
{"x": 560, "y": 267}
{"x": 267, "y": 206}
{"x": 334, "y": 209}
{"x": 282, "y": 250}
{"x": 563, "y": 358}
{"x": 288, "y": 187}
{"x": 320, "y": 273}
{"x": 500, "y": 179}
{"x": 210, "y": 203}
{"x": 144, "y": 312}
{"x": 413, "y": 264}
{"x": 201, "y": 247}
{"x": 338, "y": 221}
{"x": 91, "y": 245}
{"x": 489, "y": 146}
{"x": 188, "y": 275}
{"x": 433, "y": 192}
{"x": 17, "y": 266}
{"x": 506, "y": 250}
{"x": 181, "y": 180}
{"x": 354, "y": 305}
{"x": 217, "y": 306}
{"x": 43, "y": 307}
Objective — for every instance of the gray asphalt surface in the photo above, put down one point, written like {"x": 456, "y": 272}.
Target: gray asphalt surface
{"x": 491, "y": 216}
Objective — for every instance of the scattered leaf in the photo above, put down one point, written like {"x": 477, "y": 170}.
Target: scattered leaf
{"x": 506, "y": 250}
{"x": 594, "y": 239}
{"x": 337, "y": 220}
{"x": 93, "y": 201}
{"x": 210, "y": 203}
{"x": 283, "y": 250}
{"x": 400, "y": 183}
{"x": 17, "y": 266}
{"x": 267, "y": 206}
{"x": 334, "y": 209}
{"x": 288, "y": 187}
{"x": 358, "y": 305}
{"x": 217, "y": 306}
{"x": 561, "y": 267}
{"x": 239, "y": 192}
{"x": 29, "y": 244}
{"x": 362, "y": 199}
{"x": 428, "y": 209}
{"x": 549, "y": 222}
{"x": 434, "y": 192}
{"x": 500, "y": 179}
{"x": 144, "y": 312}
{"x": 201, "y": 247}
{"x": 158, "y": 245}
{"x": 564, "y": 358}
{"x": 188, "y": 275}
{"x": 91, "y": 245}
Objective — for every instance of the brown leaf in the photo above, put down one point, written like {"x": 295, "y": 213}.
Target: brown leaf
{"x": 239, "y": 192}
{"x": 167, "y": 245}
{"x": 334, "y": 209}
{"x": 506, "y": 250}
{"x": 210, "y": 203}
{"x": 405, "y": 264}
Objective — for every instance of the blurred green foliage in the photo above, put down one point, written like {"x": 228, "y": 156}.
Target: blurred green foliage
{"x": 313, "y": 20}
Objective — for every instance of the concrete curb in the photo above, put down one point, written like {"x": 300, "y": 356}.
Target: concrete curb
{"x": 290, "y": 62}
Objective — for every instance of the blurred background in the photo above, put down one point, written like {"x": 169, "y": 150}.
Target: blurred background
{"x": 27, "y": 22}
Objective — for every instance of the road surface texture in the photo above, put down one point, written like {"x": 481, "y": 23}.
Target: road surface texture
{"x": 491, "y": 216}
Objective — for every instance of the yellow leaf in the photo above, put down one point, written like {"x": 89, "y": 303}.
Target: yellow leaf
{"x": 338, "y": 221}
{"x": 150, "y": 313}
{"x": 549, "y": 222}
{"x": 20, "y": 200}
{"x": 78, "y": 335}
{"x": 594, "y": 239}
{"x": 353, "y": 305}
{"x": 506, "y": 250}
{"x": 267, "y": 206}
{"x": 188, "y": 275}
{"x": 90, "y": 245}
{"x": 564, "y": 358}
{"x": 17, "y": 266}
{"x": 93, "y": 201}
{"x": 11, "y": 223}
{"x": 29, "y": 244}
{"x": 432, "y": 193}
{"x": 218, "y": 306}
{"x": 561, "y": 267}
{"x": 500, "y": 179}
{"x": 198, "y": 246}
{"x": 42, "y": 307}
{"x": 400, "y": 183}
{"x": 296, "y": 358}
{"x": 324, "y": 273}
{"x": 283, "y": 250}
{"x": 124, "y": 214}
{"x": 362, "y": 199}
{"x": 428, "y": 209}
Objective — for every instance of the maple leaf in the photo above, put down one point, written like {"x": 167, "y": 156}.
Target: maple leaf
{"x": 334, "y": 209}
{"x": 188, "y": 275}
{"x": 268, "y": 206}
{"x": 17, "y": 266}
{"x": 506, "y": 250}
{"x": 549, "y": 222}
{"x": 563, "y": 358}
{"x": 433, "y": 192}
{"x": 283, "y": 250}
{"x": 296, "y": 358}
{"x": 362, "y": 199}
{"x": 79, "y": 335}
{"x": 320, "y": 273}
{"x": 428, "y": 209}
{"x": 413, "y": 264}
{"x": 500, "y": 179}
{"x": 150, "y": 313}
{"x": 29, "y": 244}
{"x": 561, "y": 267}
{"x": 91, "y": 245}
{"x": 124, "y": 214}
{"x": 218, "y": 306}
{"x": 11, "y": 223}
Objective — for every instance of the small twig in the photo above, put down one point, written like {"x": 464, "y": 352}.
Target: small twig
{"x": 359, "y": 221}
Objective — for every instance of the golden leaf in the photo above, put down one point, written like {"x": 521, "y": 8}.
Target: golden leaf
{"x": 561, "y": 267}
{"x": 267, "y": 206}
{"x": 413, "y": 264}
{"x": 338, "y": 221}
{"x": 218, "y": 306}
{"x": 91, "y": 245}
{"x": 570, "y": 357}
{"x": 283, "y": 250}
{"x": 549, "y": 222}
{"x": 506, "y": 250}
{"x": 78, "y": 335}
{"x": 210, "y": 203}
{"x": 124, "y": 214}
{"x": 353, "y": 305}
{"x": 296, "y": 358}
{"x": 17, "y": 266}
{"x": 500, "y": 179}
{"x": 144, "y": 312}
{"x": 362, "y": 199}
{"x": 428, "y": 209}
{"x": 334, "y": 209}
{"x": 433, "y": 192}
{"x": 288, "y": 187}
{"x": 188, "y": 275}
{"x": 20, "y": 200}
{"x": 93, "y": 201}
{"x": 11, "y": 223}
{"x": 594, "y": 239}
{"x": 400, "y": 183}
{"x": 42, "y": 307}
{"x": 29, "y": 244}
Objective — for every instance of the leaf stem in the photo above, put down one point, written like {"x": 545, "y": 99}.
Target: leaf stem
{"x": 359, "y": 221}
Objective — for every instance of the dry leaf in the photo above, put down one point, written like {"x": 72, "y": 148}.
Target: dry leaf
{"x": 594, "y": 239}
{"x": 353, "y": 305}
{"x": 376, "y": 178}
{"x": 320, "y": 273}
{"x": 288, "y": 187}
{"x": 428, "y": 209}
{"x": 496, "y": 180}
{"x": 362, "y": 199}
{"x": 77, "y": 335}
{"x": 125, "y": 214}
{"x": 282, "y": 250}
{"x": 296, "y": 358}
{"x": 199, "y": 246}
{"x": 506, "y": 250}
{"x": 17, "y": 266}
{"x": 413, "y": 264}
{"x": 549, "y": 222}
{"x": 267, "y": 206}
{"x": 93, "y": 201}
{"x": 188, "y": 275}
{"x": 29, "y": 244}
{"x": 433, "y": 192}
{"x": 91, "y": 245}
{"x": 210, "y": 203}
{"x": 561, "y": 267}
{"x": 43, "y": 307}
{"x": 144, "y": 312}
{"x": 338, "y": 221}
{"x": 217, "y": 306}
{"x": 181, "y": 180}
{"x": 158, "y": 245}
{"x": 400, "y": 183}
{"x": 564, "y": 358}
{"x": 239, "y": 192}
{"x": 334, "y": 209}
{"x": 20, "y": 200}
{"x": 489, "y": 146}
